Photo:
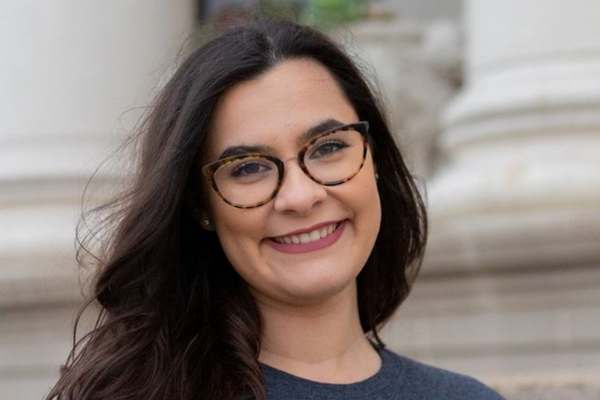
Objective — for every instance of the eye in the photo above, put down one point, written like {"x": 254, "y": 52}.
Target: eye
{"x": 328, "y": 148}
{"x": 250, "y": 168}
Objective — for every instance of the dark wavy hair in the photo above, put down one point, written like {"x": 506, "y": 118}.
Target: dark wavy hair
{"x": 176, "y": 320}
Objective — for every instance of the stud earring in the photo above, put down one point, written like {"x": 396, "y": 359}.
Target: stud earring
{"x": 376, "y": 176}
{"x": 206, "y": 223}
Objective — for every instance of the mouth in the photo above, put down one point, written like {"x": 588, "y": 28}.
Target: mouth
{"x": 308, "y": 237}
{"x": 312, "y": 239}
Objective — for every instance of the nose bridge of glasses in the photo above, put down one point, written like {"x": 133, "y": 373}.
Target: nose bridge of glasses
{"x": 299, "y": 162}
{"x": 296, "y": 157}
{"x": 298, "y": 190}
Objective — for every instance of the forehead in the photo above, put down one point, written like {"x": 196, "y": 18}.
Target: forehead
{"x": 277, "y": 106}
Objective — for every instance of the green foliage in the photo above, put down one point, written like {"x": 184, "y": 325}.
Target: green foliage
{"x": 327, "y": 13}
{"x": 318, "y": 13}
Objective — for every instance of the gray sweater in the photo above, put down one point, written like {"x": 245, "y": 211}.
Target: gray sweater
{"x": 399, "y": 378}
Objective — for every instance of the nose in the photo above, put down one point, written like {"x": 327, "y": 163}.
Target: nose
{"x": 298, "y": 193}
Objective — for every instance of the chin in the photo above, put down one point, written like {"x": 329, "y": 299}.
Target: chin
{"x": 313, "y": 291}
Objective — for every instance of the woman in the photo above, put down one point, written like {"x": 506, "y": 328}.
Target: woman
{"x": 272, "y": 228}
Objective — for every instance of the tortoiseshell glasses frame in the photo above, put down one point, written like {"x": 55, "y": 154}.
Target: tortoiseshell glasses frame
{"x": 211, "y": 169}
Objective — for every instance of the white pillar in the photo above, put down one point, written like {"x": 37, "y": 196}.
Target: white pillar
{"x": 523, "y": 138}
{"x": 414, "y": 69}
{"x": 512, "y": 275}
{"x": 71, "y": 76}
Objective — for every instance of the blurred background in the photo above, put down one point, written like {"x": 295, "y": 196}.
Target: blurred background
{"x": 495, "y": 103}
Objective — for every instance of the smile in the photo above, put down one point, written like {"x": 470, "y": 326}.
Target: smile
{"x": 307, "y": 241}
{"x": 308, "y": 237}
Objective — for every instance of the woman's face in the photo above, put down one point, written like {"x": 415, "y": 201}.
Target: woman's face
{"x": 273, "y": 111}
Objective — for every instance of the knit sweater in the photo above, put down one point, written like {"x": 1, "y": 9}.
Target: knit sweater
{"x": 399, "y": 378}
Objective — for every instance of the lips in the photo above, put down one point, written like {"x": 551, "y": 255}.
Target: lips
{"x": 311, "y": 239}
{"x": 308, "y": 237}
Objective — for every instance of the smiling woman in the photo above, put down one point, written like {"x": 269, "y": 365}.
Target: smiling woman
{"x": 271, "y": 231}
{"x": 327, "y": 183}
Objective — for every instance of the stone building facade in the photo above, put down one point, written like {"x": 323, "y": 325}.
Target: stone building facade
{"x": 498, "y": 112}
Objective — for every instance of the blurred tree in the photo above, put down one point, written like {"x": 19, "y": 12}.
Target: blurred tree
{"x": 320, "y": 13}
{"x": 326, "y": 13}
{"x": 226, "y": 13}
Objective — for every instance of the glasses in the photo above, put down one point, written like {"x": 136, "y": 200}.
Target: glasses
{"x": 251, "y": 180}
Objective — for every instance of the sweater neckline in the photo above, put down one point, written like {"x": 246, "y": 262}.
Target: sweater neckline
{"x": 390, "y": 372}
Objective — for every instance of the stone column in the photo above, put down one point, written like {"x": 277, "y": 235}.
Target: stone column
{"x": 73, "y": 77}
{"x": 511, "y": 280}
{"x": 413, "y": 66}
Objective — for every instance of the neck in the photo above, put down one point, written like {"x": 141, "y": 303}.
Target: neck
{"x": 322, "y": 342}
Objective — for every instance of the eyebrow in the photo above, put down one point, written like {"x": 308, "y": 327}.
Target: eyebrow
{"x": 305, "y": 137}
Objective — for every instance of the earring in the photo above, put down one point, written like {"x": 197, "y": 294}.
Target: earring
{"x": 376, "y": 176}
{"x": 206, "y": 223}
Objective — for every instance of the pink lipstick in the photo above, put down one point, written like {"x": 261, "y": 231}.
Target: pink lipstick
{"x": 311, "y": 246}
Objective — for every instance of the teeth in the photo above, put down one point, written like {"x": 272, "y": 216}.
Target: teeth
{"x": 304, "y": 238}
{"x": 315, "y": 235}
{"x": 308, "y": 237}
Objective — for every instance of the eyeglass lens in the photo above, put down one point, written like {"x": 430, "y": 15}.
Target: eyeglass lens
{"x": 331, "y": 159}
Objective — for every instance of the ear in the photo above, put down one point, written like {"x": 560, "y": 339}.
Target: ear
{"x": 204, "y": 219}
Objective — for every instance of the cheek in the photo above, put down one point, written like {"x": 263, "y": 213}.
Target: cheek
{"x": 240, "y": 231}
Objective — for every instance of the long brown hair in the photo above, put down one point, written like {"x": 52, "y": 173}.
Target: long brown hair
{"x": 177, "y": 321}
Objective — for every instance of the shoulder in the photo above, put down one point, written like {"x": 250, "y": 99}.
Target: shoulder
{"x": 422, "y": 381}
